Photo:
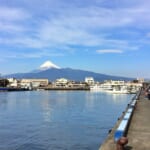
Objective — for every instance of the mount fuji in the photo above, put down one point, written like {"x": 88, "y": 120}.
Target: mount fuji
{"x": 52, "y": 72}
{"x": 48, "y": 65}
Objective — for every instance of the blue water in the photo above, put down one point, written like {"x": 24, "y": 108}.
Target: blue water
{"x": 58, "y": 120}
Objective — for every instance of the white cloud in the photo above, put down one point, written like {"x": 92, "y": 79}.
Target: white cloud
{"x": 87, "y": 26}
{"x": 12, "y": 20}
{"x": 11, "y": 27}
{"x": 12, "y": 14}
{"x": 29, "y": 54}
{"x": 79, "y": 26}
{"x": 109, "y": 51}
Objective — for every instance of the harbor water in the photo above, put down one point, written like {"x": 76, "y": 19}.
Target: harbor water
{"x": 58, "y": 120}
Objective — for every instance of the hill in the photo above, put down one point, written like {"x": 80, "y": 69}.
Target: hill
{"x": 71, "y": 74}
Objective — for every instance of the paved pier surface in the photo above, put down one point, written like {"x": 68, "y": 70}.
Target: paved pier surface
{"x": 139, "y": 129}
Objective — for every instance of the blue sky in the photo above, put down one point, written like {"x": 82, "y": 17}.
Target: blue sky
{"x": 111, "y": 37}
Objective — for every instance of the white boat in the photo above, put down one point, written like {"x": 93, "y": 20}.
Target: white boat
{"x": 101, "y": 87}
{"x": 119, "y": 90}
{"x": 115, "y": 87}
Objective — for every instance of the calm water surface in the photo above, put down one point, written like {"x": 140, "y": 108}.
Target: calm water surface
{"x": 57, "y": 120}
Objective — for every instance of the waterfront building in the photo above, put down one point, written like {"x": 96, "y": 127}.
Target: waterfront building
{"x": 76, "y": 84}
{"x": 65, "y": 83}
{"x": 114, "y": 82}
{"x": 140, "y": 80}
{"x": 34, "y": 82}
{"x": 13, "y": 82}
{"x": 89, "y": 80}
{"x": 62, "y": 82}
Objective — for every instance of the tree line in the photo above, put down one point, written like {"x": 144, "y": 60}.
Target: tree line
{"x": 4, "y": 82}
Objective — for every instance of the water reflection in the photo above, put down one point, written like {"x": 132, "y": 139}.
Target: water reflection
{"x": 119, "y": 98}
{"x": 47, "y": 111}
{"x": 57, "y": 119}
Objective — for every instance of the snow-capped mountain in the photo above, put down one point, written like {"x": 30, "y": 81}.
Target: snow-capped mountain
{"x": 52, "y": 72}
{"x": 72, "y": 74}
{"x": 48, "y": 65}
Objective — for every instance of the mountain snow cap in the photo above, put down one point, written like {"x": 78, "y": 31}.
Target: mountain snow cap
{"x": 47, "y": 65}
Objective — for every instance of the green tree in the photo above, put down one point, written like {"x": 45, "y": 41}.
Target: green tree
{"x": 4, "y": 82}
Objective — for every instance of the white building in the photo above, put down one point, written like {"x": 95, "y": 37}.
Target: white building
{"x": 12, "y": 82}
{"x": 114, "y": 82}
{"x": 89, "y": 80}
{"x": 62, "y": 82}
{"x": 34, "y": 82}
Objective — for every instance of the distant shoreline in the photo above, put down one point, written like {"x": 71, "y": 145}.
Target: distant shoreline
{"x": 6, "y": 89}
{"x": 65, "y": 88}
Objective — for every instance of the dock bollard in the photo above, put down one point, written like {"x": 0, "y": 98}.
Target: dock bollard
{"x": 121, "y": 143}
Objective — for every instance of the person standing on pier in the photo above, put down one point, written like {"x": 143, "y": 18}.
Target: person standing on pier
{"x": 148, "y": 93}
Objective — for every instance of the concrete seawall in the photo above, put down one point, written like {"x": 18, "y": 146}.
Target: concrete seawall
{"x": 138, "y": 133}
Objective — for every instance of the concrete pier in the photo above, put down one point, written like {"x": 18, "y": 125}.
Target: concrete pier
{"x": 139, "y": 128}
